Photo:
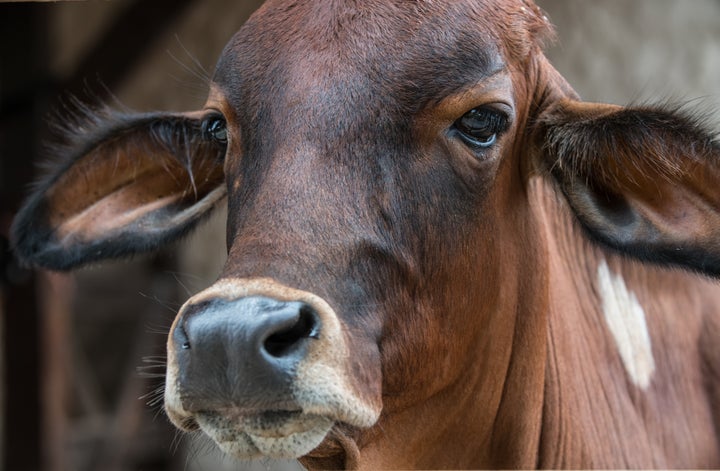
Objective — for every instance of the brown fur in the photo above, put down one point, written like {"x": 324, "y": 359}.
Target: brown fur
{"x": 471, "y": 274}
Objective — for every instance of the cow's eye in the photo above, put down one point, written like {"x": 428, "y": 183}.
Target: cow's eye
{"x": 480, "y": 127}
{"x": 216, "y": 129}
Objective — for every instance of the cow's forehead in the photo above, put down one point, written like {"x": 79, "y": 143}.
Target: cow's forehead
{"x": 382, "y": 54}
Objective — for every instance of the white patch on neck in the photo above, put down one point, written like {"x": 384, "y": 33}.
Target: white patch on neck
{"x": 626, "y": 320}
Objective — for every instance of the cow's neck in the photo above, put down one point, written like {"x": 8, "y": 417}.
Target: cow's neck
{"x": 608, "y": 323}
{"x": 572, "y": 263}
{"x": 584, "y": 384}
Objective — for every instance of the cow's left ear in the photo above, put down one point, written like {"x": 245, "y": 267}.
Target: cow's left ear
{"x": 644, "y": 181}
{"x": 123, "y": 184}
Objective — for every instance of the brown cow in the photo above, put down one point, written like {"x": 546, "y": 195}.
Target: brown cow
{"x": 438, "y": 256}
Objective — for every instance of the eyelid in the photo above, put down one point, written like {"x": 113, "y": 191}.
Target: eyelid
{"x": 498, "y": 117}
{"x": 502, "y": 109}
{"x": 495, "y": 93}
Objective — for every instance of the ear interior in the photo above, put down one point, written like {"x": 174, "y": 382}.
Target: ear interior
{"x": 134, "y": 187}
{"x": 644, "y": 181}
{"x": 114, "y": 186}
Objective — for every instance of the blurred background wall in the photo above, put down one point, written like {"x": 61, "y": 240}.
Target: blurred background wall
{"x": 72, "y": 397}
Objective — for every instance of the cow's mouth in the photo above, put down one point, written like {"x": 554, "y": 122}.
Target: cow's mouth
{"x": 276, "y": 434}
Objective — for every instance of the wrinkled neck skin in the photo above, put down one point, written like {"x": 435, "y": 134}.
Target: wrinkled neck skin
{"x": 603, "y": 409}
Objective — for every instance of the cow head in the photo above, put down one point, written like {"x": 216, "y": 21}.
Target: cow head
{"x": 383, "y": 246}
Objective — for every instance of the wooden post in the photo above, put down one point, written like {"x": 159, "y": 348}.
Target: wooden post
{"x": 2, "y": 375}
{"x": 22, "y": 32}
{"x": 56, "y": 294}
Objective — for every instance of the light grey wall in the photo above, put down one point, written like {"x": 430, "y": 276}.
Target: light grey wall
{"x": 621, "y": 51}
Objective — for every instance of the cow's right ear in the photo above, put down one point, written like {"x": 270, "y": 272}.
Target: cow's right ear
{"x": 642, "y": 180}
{"x": 125, "y": 184}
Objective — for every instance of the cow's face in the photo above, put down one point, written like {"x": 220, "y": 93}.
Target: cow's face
{"x": 363, "y": 146}
{"x": 381, "y": 238}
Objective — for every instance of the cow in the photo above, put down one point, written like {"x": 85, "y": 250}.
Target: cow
{"x": 438, "y": 255}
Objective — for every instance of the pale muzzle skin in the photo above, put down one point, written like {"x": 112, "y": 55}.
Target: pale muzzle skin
{"x": 321, "y": 390}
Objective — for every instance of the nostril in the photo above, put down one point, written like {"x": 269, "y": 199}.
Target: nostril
{"x": 284, "y": 342}
{"x": 180, "y": 333}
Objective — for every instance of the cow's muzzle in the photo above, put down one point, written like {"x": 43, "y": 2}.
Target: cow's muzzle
{"x": 262, "y": 369}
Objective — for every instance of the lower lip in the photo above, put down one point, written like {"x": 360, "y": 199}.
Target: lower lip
{"x": 288, "y": 434}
